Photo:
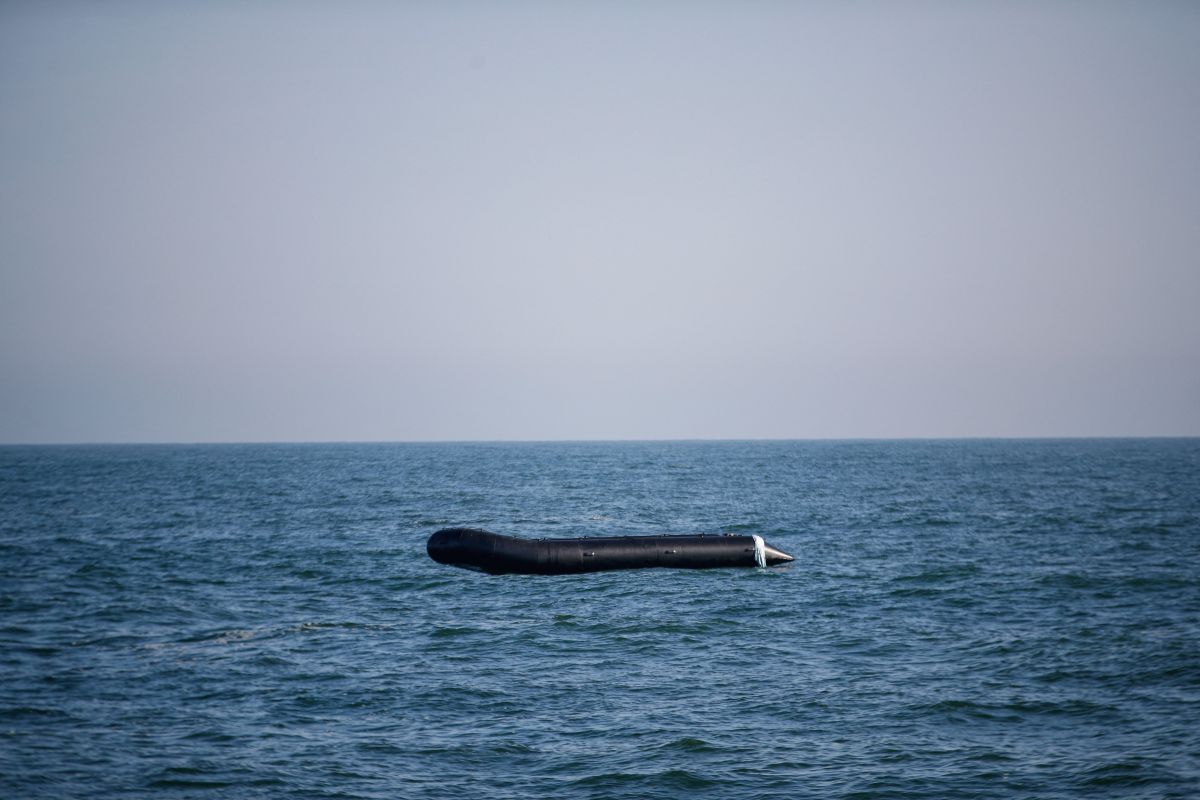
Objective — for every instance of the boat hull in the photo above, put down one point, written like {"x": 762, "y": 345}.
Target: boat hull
{"x": 496, "y": 554}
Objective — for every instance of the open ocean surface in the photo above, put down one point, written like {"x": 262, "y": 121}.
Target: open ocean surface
{"x": 976, "y": 618}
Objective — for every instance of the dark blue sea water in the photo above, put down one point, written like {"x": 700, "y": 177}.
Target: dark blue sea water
{"x": 996, "y": 619}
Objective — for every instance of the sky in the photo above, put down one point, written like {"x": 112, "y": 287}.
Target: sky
{"x": 372, "y": 221}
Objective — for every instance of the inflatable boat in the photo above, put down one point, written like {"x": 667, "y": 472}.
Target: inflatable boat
{"x": 496, "y": 554}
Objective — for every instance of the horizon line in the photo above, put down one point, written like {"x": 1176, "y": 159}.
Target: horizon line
{"x": 647, "y": 440}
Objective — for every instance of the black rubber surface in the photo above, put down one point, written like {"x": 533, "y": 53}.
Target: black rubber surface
{"x": 496, "y": 554}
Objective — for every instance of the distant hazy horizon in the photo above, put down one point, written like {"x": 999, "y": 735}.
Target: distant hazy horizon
{"x": 264, "y": 222}
{"x": 485, "y": 442}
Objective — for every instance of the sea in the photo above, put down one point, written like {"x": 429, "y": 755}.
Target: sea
{"x": 964, "y": 618}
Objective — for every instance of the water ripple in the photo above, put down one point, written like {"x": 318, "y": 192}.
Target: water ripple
{"x": 986, "y": 619}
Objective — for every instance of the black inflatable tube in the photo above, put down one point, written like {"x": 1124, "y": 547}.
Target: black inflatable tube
{"x": 493, "y": 553}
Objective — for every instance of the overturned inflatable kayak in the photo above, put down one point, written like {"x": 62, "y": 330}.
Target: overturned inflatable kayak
{"x": 492, "y": 553}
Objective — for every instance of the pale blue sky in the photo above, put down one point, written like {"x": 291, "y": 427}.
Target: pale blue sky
{"x": 387, "y": 221}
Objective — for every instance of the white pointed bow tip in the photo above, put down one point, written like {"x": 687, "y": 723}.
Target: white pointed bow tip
{"x": 766, "y": 556}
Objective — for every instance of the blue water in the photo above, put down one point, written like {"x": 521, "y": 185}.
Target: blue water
{"x": 1004, "y": 619}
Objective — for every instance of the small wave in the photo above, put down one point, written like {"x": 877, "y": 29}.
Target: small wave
{"x": 1131, "y": 772}
{"x": 348, "y": 625}
{"x": 185, "y": 783}
{"x": 1014, "y": 711}
{"x": 41, "y": 650}
{"x": 941, "y": 574}
{"x": 1157, "y": 582}
{"x": 420, "y": 585}
{"x": 919, "y": 521}
{"x": 453, "y": 631}
{"x": 678, "y": 779}
{"x": 216, "y": 736}
{"x": 32, "y": 712}
{"x": 918, "y": 591}
{"x": 382, "y": 748}
{"x": 894, "y": 755}
{"x": 465, "y": 692}
{"x": 1071, "y": 580}
{"x": 689, "y": 744}
{"x": 224, "y": 636}
{"x": 187, "y": 778}
{"x": 95, "y": 570}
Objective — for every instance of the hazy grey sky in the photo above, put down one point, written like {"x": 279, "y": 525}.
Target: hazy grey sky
{"x": 386, "y": 221}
